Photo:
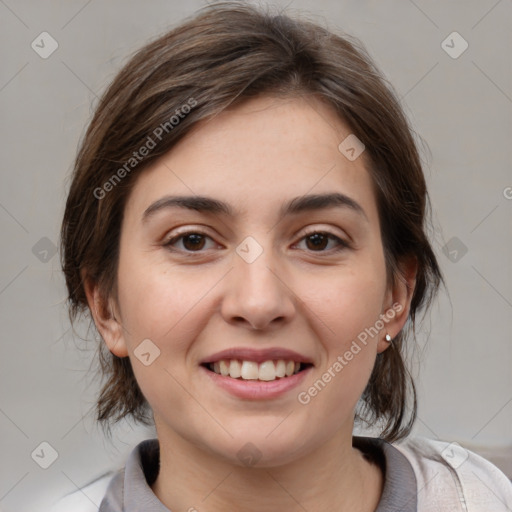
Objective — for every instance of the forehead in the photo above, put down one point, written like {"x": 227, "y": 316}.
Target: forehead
{"x": 267, "y": 149}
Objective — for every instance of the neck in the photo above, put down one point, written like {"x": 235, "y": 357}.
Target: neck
{"x": 335, "y": 477}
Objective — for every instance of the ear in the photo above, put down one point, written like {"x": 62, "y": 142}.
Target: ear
{"x": 105, "y": 318}
{"x": 397, "y": 304}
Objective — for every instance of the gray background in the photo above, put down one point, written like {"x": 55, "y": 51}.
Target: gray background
{"x": 460, "y": 106}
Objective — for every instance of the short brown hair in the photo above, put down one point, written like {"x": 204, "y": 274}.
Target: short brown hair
{"x": 226, "y": 54}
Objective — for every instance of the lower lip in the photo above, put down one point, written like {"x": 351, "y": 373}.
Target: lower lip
{"x": 257, "y": 389}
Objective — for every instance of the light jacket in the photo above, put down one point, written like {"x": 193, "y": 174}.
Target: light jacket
{"x": 421, "y": 475}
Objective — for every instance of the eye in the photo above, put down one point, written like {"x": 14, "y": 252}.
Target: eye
{"x": 192, "y": 241}
{"x": 317, "y": 241}
{"x": 195, "y": 241}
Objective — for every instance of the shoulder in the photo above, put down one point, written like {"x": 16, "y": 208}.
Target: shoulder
{"x": 447, "y": 473}
{"x": 87, "y": 499}
{"x": 108, "y": 490}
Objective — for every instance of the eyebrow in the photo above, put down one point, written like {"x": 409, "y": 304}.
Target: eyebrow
{"x": 297, "y": 205}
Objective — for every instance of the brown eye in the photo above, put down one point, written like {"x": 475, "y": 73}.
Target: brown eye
{"x": 190, "y": 242}
{"x": 318, "y": 241}
{"x": 193, "y": 242}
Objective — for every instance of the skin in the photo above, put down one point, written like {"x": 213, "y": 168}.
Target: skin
{"x": 294, "y": 295}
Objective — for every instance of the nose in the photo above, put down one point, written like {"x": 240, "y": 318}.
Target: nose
{"x": 257, "y": 294}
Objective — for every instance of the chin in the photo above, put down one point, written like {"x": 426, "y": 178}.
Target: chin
{"x": 262, "y": 445}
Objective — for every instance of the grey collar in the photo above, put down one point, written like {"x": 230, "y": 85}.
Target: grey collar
{"x": 130, "y": 489}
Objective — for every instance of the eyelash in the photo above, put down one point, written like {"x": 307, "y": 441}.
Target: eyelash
{"x": 342, "y": 244}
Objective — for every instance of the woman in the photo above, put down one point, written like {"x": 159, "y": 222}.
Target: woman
{"x": 245, "y": 225}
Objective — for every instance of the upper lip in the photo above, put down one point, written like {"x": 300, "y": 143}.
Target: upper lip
{"x": 258, "y": 356}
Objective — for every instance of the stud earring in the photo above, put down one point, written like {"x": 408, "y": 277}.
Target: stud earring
{"x": 388, "y": 338}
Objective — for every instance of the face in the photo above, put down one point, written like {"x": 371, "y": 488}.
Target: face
{"x": 259, "y": 278}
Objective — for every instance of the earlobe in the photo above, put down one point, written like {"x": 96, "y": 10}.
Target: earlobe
{"x": 398, "y": 304}
{"x": 107, "y": 323}
{"x": 405, "y": 285}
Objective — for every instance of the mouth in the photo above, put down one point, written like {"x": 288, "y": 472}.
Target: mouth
{"x": 265, "y": 371}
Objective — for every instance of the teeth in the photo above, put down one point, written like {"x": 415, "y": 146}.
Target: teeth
{"x": 250, "y": 370}
{"x": 234, "y": 369}
{"x": 280, "y": 368}
{"x": 267, "y": 371}
{"x": 224, "y": 368}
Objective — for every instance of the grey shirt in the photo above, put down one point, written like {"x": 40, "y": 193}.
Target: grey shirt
{"x": 130, "y": 491}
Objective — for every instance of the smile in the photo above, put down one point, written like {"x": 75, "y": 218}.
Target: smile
{"x": 251, "y": 370}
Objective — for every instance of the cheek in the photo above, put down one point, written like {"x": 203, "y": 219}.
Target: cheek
{"x": 167, "y": 308}
{"x": 347, "y": 309}
{"x": 161, "y": 304}
{"x": 350, "y": 302}
{"x": 346, "y": 316}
